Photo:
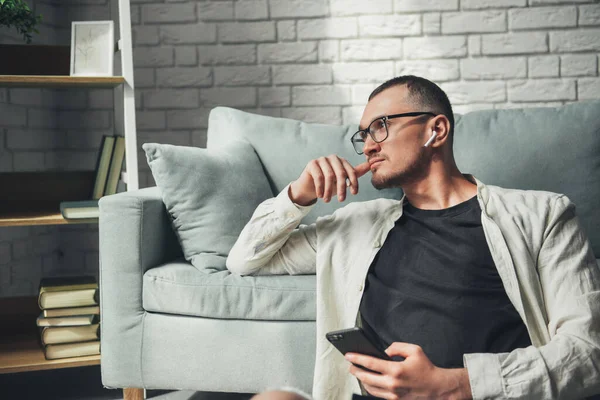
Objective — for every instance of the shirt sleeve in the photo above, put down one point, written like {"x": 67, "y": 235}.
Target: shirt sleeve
{"x": 568, "y": 366}
{"x": 273, "y": 242}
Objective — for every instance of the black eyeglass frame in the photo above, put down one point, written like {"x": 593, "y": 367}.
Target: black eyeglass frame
{"x": 357, "y": 137}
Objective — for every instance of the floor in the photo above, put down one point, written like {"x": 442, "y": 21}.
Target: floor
{"x": 85, "y": 384}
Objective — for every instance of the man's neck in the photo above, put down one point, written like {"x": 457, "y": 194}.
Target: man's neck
{"x": 440, "y": 190}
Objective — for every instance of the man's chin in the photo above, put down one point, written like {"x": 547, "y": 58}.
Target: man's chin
{"x": 387, "y": 182}
{"x": 380, "y": 184}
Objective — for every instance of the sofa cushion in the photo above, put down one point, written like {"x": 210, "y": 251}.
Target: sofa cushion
{"x": 285, "y": 146}
{"x": 210, "y": 195}
{"x": 180, "y": 288}
{"x": 554, "y": 149}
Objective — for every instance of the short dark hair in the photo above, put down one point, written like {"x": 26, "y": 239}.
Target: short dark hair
{"x": 425, "y": 94}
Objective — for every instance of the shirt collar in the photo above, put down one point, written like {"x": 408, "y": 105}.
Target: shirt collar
{"x": 482, "y": 197}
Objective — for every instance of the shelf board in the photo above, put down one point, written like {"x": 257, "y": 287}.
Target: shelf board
{"x": 59, "y": 81}
{"x": 24, "y": 353}
{"x": 34, "y": 197}
{"x": 40, "y": 218}
{"x": 20, "y": 350}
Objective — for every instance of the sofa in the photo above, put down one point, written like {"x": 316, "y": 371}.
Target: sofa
{"x": 172, "y": 319}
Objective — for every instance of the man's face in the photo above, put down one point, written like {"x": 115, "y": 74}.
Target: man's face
{"x": 403, "y": 158}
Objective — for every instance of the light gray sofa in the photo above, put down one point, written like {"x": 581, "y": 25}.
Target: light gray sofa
{"x": 169, "y": 324}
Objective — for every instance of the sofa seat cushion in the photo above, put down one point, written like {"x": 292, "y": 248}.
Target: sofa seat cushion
{"x": 179, "y": 288}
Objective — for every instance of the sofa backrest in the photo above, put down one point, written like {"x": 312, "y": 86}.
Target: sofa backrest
{"x": 553, "y": 149}
{"x": 285, "y": 146}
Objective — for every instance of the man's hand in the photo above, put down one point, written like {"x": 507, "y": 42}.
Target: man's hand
{"x": 325, "y": 176}
{"x": 414, "y": 378}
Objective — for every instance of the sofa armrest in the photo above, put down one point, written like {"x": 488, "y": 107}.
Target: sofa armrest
{"x": 135, "y": 235}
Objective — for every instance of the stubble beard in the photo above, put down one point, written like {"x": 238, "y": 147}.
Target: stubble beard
{"x": 411, "y": 173}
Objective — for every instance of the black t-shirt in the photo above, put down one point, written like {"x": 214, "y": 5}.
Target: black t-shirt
{"x": 434, "y": 284}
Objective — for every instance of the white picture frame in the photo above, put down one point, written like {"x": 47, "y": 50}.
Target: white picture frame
{"x": 92, "y": 48}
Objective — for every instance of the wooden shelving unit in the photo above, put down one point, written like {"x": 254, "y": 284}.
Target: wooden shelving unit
{"x": 35, "y": 197}
{"x": 57, "y": 81}
{"x": 20, "y": 348}
{"x": 24, "y": 353}
{"x": 32, "y": 218}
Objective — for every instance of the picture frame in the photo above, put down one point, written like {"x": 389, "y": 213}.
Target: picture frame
{"x": 92, "y": 48}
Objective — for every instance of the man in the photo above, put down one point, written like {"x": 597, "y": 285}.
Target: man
{"x": 485, "y": 292}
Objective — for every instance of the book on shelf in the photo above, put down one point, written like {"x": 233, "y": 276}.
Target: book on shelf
{"x": 71, "y": 320}
{"x": 69, "y": 334}
{"x": 121, "y": 186}
{"x": 103, "y": 165}
{"x": 70, "y": 311}
{"x": 107, "y": 181}
{"x": 66, "y": 350}
{"x": 73, "y": 291}
{"x": 84, "y": 209}
{"x": 116, "y": 165}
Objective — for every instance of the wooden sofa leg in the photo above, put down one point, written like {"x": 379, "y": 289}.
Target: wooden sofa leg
{"x": 133, "y": 394}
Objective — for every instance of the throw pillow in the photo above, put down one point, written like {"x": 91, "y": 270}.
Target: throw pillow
{"x": 209, "y": 194}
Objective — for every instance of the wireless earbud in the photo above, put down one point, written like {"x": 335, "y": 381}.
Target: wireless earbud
{"x": 433, "y": 135}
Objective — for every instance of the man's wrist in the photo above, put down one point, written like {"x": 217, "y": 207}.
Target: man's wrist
{"x": 463, "y": 389}
{"x": 297, "y": 200}
{"x": 456, "y": 384}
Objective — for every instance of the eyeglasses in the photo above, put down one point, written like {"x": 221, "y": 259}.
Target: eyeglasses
{"x": 378, "y": 130}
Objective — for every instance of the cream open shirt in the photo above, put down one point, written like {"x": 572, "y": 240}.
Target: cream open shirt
{"x": 544, "y": 260}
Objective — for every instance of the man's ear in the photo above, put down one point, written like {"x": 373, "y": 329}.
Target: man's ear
{"x": 440, "y": 127}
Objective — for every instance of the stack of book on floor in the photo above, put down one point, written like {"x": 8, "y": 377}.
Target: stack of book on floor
{"x": 69, "y": 324}
{"x": 108, "y": 172}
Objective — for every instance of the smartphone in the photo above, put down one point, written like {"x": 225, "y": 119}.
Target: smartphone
{"x": 355, "y": 340}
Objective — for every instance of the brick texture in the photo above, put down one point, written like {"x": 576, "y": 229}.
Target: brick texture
{"x": 544, "y": 17}
{"x": 474, "y": 21}
{"x": 314, "y": 60}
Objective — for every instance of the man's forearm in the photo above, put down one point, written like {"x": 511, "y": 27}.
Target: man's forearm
{"x": 270, "y": 243}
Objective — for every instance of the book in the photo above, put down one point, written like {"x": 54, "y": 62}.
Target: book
{"x": 69, "y": 334}
{"x": 102, "y": 165}
{"x": 84, "y": 209}
{"x": 71, "y": 320}
{"x": 65, "y": 312}
{"x": 68, "y": 292}
{"x": 65, "y": 350}
{"x": 121, "y": 186}
{"x": 116, "y": 165}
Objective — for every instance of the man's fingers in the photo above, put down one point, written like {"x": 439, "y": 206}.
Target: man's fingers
{"x": 329, "y": 178}
{"x": 362, "y": 169}
{"x": 377, "y": 392}
{"x": 335, "y": 173}
{"x": 317, "y": 177}
{"x": 352, "y": 180}
{"x": 376, "y": 384}
{"x": 372, "y": 363}
{"x": 341, "y": 174}
{"x": 403, "y": 349}
{"x": 383, "y": 393}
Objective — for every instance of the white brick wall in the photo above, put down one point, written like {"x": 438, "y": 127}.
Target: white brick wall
{"x": 389, "y": 25}
{"x": 287, "y": 53}
{"x": 315, "y": 60}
